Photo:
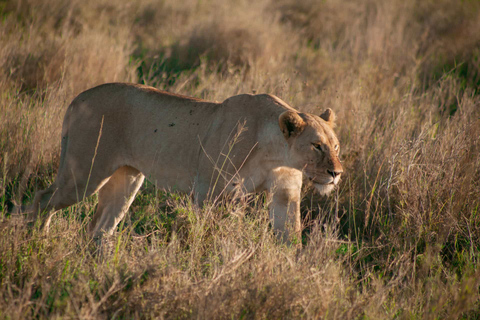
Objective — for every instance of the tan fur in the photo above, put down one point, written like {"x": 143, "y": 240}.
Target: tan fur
{"x": 115, "y": 135}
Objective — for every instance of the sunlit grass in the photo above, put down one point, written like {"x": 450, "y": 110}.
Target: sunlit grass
{"x": 399, "y": 240}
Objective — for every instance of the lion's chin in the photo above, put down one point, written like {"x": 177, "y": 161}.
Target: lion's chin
{"x": 324, "y": 189}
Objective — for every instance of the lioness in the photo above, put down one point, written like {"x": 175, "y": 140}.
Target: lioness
{"x": 116, "y": 134}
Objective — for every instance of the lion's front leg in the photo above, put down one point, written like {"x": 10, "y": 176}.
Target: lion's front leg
{"x": 285, "y": 185}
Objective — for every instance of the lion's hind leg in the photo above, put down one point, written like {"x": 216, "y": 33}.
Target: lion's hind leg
{"x": 45, "y": 204}
{"x": 41, "y": 204}
{"x": 114, "y": 199}
{"x": 56, "y": 197}
{"x": 70, "y": 187}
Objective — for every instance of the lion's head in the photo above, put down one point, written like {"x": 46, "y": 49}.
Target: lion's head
{"x": 314, "y": 147}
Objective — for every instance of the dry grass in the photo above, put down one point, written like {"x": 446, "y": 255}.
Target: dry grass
{"x": 403, "y": 77}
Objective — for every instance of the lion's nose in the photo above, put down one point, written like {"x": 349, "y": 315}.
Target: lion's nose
{"x": 334, "y": 173}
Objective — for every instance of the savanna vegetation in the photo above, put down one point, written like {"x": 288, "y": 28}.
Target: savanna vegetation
{"x": 400, "y": 238}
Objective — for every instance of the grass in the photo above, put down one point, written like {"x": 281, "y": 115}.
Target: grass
{"x": 399, "y": 240}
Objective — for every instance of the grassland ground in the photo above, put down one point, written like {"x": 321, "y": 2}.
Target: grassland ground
{"x": 400, "y": 238}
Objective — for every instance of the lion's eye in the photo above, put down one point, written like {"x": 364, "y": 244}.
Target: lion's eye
{"x": 317, "y": 146}
{"x": 336, "y": 147}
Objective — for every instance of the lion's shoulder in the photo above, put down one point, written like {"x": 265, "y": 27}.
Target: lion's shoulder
{"x": 264, "y": 100}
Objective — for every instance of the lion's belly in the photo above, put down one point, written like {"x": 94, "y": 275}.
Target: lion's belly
{"x": 191, "y": 167}
{"x": 169, "y": 166}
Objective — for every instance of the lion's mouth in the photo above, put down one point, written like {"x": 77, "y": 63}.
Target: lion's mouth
{"x": 325, "y": 187}
{"x": 331, "y": 182}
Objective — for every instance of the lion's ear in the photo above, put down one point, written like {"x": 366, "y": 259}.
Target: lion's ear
{"x": 329, "y": 116}
{"x": 291, "y": 124}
